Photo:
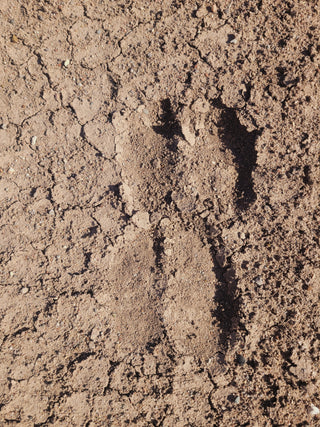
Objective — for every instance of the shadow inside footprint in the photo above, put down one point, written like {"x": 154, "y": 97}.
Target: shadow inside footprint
{"x": 242, "y": 145}
{"x": 168, "y": 126}
{"x": 227, "y": 312}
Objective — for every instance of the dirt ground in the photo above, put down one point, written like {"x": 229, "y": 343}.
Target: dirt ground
{"x": 159, "y": 186}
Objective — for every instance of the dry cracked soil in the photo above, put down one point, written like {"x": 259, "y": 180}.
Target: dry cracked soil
{"x": 159, "y": 216}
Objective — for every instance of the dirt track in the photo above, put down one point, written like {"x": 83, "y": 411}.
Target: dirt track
{"x": 159, "y": 229}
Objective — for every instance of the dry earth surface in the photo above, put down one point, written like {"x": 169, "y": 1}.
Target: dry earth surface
{"x": 159, "y": 188}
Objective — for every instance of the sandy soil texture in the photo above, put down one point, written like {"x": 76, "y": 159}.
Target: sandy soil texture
{"x": 159, "y": 213}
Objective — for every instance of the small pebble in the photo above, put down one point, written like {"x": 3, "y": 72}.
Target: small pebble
{"x": 141, "y": 219}
{"x": 214, "y": 8}
{"x": 4, "y": 126}
{"x": 231, "y": 38}
{"x": 11, "y": 170}
{"x": 205, "y": 214}
{"x": 165, "y": 222}
{"x": 66, "y": 63}
{"x": 202, "y": 11}
{"x": 14, "y": 39}
{"x": 33, "y": 140}
{"x": 240, "y": 360}
{"x": 313, "y": 410}
{"x": 259, "y": 281}
{"x": 24, "y": 290}
{"x": 11, "y": 274}
{"x": 237, "y": 400}
{"x": 99, "y": 32}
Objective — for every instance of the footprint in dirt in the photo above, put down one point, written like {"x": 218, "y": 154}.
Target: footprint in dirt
{"x": 183, "y": 178}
